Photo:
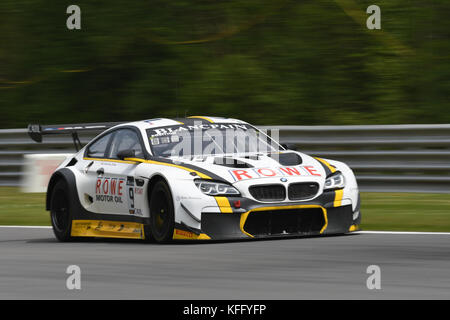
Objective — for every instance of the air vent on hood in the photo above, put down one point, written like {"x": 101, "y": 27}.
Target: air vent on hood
{"x": 287, "y": 159}
{"x": 231, "y": 162}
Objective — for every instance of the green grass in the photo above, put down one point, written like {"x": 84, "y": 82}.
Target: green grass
{"x": 380, "y": 211}
{"x": 18, "y": 208}
{"x": 405, "y": 211}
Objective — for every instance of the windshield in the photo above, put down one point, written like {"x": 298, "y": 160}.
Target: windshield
{"x": 209, "y": 139}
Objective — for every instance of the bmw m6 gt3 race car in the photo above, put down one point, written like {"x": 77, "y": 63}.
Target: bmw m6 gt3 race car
{"x": 195, "y": 178}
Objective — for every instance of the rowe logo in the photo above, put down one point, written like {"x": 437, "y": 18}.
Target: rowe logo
{"x": 274, "y": 172}
{"x": 109, "y": 190}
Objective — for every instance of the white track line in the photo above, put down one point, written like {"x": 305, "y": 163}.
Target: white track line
{"x": 27, "y": 227}
{"x": 403, "y": 232}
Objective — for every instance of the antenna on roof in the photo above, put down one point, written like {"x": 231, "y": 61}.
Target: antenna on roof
{"x": 185, "y": 113}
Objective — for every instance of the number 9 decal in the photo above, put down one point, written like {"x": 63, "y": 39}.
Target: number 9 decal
{"x": 131, "y": 200}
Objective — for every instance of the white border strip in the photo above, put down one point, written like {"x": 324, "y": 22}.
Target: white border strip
{"x": 27, "y": 227}
{"x": 403, "y": 232}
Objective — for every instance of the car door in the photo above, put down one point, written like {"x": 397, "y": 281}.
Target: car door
{"x": 92, "y": 171}
{"x": 115, "y": 183}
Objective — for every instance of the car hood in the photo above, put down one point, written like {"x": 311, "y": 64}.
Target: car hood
{"x": 259, "y": 168}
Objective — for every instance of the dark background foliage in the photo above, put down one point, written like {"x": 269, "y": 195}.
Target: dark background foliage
{"x": 266, "y": 61}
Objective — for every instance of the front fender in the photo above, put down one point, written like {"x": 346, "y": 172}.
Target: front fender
{"x": 351, "y": 190}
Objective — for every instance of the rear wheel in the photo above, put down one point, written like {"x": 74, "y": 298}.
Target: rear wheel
{"x": 162, "y": 217}
{"x": 60, "y": 212}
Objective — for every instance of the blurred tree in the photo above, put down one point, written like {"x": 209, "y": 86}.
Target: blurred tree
{"x": 268, "y": 62}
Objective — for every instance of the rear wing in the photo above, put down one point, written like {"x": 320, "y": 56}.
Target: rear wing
{"x": 37, "y": 131}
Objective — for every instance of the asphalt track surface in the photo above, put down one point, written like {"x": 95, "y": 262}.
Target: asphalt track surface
{"x": 413, "y": 266}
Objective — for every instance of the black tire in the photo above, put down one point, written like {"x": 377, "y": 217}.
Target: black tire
{"x": 148, "y": 234}
{"x": 162, "y": 215}
{"x": 60, "y": 212}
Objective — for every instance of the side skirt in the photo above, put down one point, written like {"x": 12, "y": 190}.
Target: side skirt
{"x": 107, "y": 229}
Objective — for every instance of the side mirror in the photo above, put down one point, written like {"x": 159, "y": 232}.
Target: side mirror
{"x": 128, "y": 153}
{"x": 289, "y": 146}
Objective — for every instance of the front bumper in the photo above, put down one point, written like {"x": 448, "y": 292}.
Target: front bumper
{"x": 256, "y": 220}
{"x": 284, "y": 221}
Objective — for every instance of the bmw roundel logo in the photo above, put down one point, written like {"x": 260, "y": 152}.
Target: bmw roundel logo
{"x": 283, "y": 179}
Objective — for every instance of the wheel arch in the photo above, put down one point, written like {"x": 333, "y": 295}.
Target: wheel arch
{"x": 153, "y": 180}
{"x": 55, "y": 178}
{"x": 63, "y": 174}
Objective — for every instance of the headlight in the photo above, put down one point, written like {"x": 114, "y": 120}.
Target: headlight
{"x": 336, "y": 181}
{"x": 216, "y": 188}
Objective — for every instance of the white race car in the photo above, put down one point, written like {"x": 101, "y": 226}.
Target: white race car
{"x": 195, "y": 178}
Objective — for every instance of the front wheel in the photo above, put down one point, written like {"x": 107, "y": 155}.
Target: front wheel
{"x": 162, "y": 217}
{"x": 60, "y": 212}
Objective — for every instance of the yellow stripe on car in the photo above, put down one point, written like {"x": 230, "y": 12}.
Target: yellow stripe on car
{"x": 201, "y": 175}
{"x": 338, "y": 197}
{"x": 244, "y": 217}
{"x": 135, "y": 160}
{"x": 224, "y": 204}
{"x": 326, "y": 163}
{"x": 204, "y": 118}
{"x": 111, "y": 160}
{"x": 338, "y": 193}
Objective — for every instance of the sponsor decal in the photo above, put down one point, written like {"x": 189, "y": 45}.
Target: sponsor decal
{"x": 183, "y": 233}
{"x": 179, "y": 129}
{"x": 179, "y": 198}
{"x": 117, "y": 191}
{"x": 255, "y": 173}
{"x": 109, "y": 190}
{"x": 130, "y": 185}
{"x": 138, "y": 191}
{"x": 187, "y": 235}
